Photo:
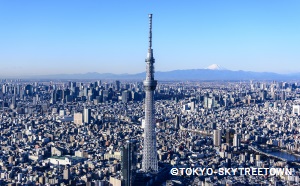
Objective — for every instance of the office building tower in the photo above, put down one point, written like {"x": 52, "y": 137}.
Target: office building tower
{"x": 87, "y": 115}
{"x": 4, "y": 88}
{"x": 72, "y": 84}
{"x": 29, "y": 90}
{"x": 177, "y": 122}
{"x": 263, "y": 95}
{"x": 126, "y": 96}
{"x": 149, "y": 163}
{"x": 60, "y": 95}
{"x": 282, "y": 95}
{"x": 118, "y": 84}
{"x": 236, "y": 140}
{"x": 15, "y": 91}
{"x": 229, "y": 136}
{"x": 78, "y": 118}
{"x": 13, "y": 102}
{"x": 85, "y": 91}
{"x": 205, "y": 102}
{"x": 99, "y": 82}
{"x": 53, "y": 97}
{"x": 217, "y": 137}
{"x": 128, "y": 163}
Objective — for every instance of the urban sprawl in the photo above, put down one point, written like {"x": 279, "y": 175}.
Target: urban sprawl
{"x": 91, "y": 132}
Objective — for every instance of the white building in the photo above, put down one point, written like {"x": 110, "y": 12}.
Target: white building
{"x": 236, "y": 140}
{"x": 87, "y": 115}
{"x": 296, "y": 109}
{"x": 78, "y": 118}
{"x": 64, "y": 160}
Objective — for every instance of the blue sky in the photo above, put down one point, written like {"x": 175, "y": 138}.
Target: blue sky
{"x": 76, "y": 36}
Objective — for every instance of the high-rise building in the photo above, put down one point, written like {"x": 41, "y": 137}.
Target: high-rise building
{"x": 118, "y": 84}
{"x": 217, "y": 137}
{"x": 128, "y": 163}
{"x": 29, "y": 90}
{"x": 229, "y": 136}
{"x": 99, "y": 82}
{"x": 263, "y": 95}
{"x": 126, "y": 96}
{"x": 78, "y": 118}
{"x": 149, "y": 163}
{"x": 13, "y": 102}
{"x": 4, "y": 88}
{"x": 236, "y": 140}
{"x": 282, "y": 95}
{"x": 177, "y": 122}
{"x": 53, "y": 97}
{"x": 72, "y": 86}
{"x": 87, "y": 115}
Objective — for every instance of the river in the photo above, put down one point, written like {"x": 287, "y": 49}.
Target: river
{"x": 282, "y": 154}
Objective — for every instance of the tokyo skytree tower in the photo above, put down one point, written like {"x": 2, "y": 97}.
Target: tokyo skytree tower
{"x": 150, "y": 163}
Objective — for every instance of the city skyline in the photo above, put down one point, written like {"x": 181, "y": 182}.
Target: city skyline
{"x": 42, "y": 38}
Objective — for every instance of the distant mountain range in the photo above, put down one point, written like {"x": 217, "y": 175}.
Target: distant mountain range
{"x": 213, "y": 72}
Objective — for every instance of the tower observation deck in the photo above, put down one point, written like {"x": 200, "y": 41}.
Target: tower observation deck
{"x": 149, "y": 163}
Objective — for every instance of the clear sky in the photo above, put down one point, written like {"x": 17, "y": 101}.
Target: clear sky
{"x": 80, "y": 36}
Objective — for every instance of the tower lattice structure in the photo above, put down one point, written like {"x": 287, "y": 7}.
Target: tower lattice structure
{"x": 150, "y": 163}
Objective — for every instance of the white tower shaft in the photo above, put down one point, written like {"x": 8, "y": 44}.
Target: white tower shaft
{"x": 150, "y": 163}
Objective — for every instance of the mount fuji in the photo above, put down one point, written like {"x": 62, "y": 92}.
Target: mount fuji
{"x": 215, "y": 67}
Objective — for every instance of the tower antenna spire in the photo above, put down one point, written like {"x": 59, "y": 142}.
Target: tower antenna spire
{"x": 150, "y": 31}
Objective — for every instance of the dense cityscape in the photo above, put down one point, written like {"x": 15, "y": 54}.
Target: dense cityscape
{"x": 76, "y": 133}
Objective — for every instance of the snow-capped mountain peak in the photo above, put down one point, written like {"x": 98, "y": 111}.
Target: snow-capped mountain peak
{"x": 215, "y": 67}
